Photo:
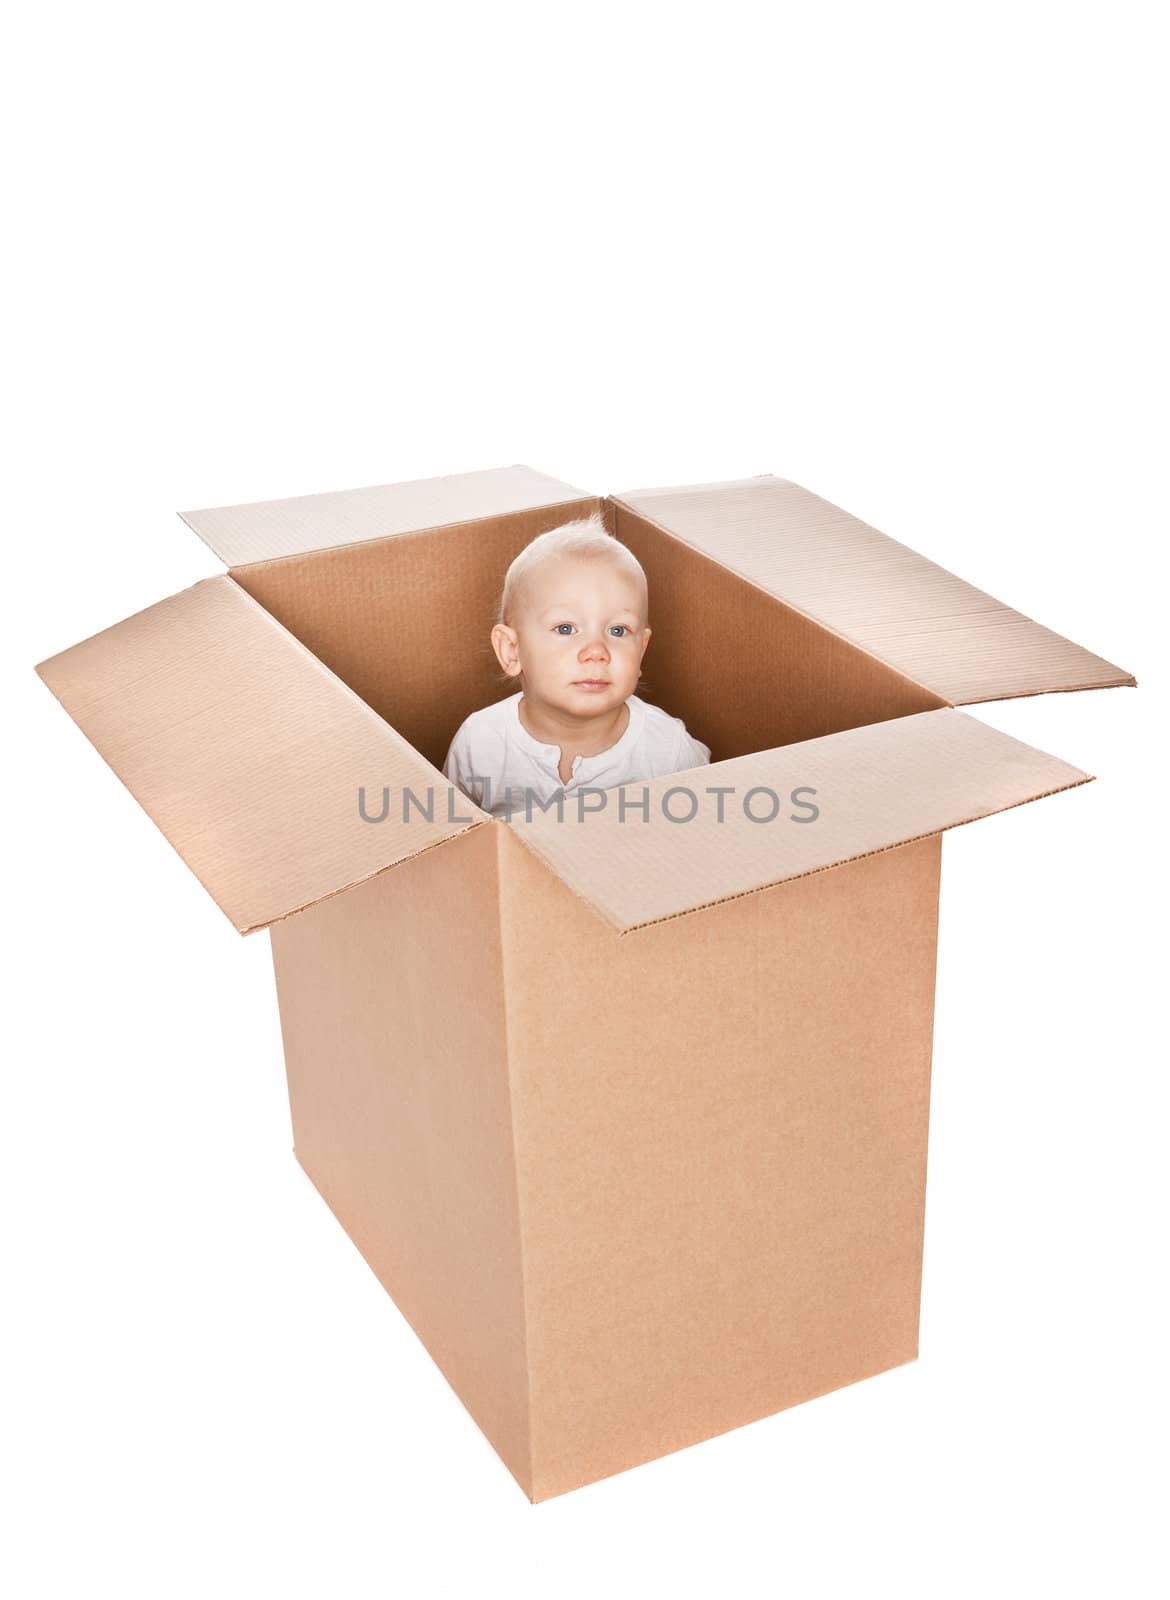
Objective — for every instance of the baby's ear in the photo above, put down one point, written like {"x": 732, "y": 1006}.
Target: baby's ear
{"x": 507, "y": 648}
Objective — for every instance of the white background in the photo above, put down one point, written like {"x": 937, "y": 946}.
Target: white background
{"x": 909, "y": 256}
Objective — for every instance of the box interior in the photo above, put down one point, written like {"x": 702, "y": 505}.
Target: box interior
{"x": 349, "y": 639}
{"x": 405, "y": 622}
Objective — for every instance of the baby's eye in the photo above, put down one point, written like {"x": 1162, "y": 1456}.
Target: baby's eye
{"x": 620, "y": 628}
{"x": 561, "y": 625}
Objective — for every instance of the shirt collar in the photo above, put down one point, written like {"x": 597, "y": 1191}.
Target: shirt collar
{"x": 551, "y": 752}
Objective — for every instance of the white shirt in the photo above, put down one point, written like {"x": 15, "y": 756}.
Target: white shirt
{"x": 494, "y": 744}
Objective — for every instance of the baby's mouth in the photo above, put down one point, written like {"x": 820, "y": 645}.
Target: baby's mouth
{"x": 590, "y": 683}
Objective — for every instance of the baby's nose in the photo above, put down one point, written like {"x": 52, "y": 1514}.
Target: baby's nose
{"x": 594, "y": 646}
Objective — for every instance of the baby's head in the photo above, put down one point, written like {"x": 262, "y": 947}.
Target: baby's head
{"x": 572, "y": 623}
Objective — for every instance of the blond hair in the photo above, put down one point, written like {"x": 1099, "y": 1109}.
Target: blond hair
{"x": 587, "y": 538}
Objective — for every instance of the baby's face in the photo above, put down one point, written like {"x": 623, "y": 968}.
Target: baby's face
{"x": 577, "y": 635}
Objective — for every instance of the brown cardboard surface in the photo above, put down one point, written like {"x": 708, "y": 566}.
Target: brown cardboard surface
{"x": 721, "y": 1135}
{"x": 267, "y": 529}
{"x": 937, "y": 630}
{"x": 365, "y": 610}
{"x": 393, "y": 1010}
{"x": 247, "y": 752}
{"x": 775, "y": 677}
{"x": 629, "y": 1116}
{"x": 617, "y": 1242}
{"x": 875, "y": 787}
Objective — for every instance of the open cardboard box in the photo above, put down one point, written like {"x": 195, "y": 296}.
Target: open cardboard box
{"x": 628, "y": 1114}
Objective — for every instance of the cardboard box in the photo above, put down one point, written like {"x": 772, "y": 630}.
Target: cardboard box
{"x": 628, "y": 1114}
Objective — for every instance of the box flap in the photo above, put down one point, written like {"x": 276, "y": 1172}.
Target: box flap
{"x": 942, "y": 633}
{"x": 248, "y": 753}
{"x": 268, "y": 529}
{"x": 872, "y": 788}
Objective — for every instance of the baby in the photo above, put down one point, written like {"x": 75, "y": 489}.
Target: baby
{"x": 572, "y": 630}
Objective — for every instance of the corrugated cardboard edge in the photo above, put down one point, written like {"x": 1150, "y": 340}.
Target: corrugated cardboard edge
{"x": 623, "y": 932}
{"x": 206, "y": 522}
{"x": 563, "y": 871}
{"x": 813, "y": 872}
{"x": 1129, "y": 682}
